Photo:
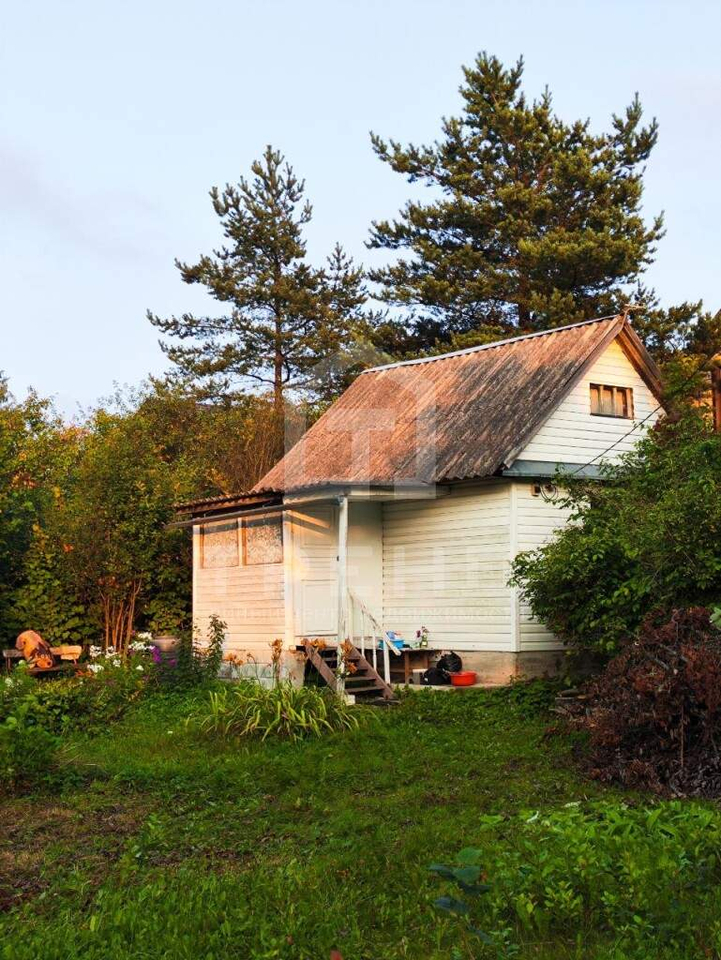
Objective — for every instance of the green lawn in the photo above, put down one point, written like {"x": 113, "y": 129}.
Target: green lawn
{"x": 165, "y": 845}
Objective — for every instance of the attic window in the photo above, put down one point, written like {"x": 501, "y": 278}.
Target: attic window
{"x": 607, "y": 401}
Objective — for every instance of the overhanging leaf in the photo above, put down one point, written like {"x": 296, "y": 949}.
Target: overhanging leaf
{"x": 469, "y": 856}
{"x": 467, "y": 874}
{"x": 451, "y": 905}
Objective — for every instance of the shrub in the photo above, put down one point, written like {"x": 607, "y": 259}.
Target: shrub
{"x": 213, "y": 652}
{"x": 521, "y": 699}
{"x": 644, "y": 538}
{"x": 44, "y": 601}
{"x": 86, "y": 701}
{"x": 27, "y": 755}
{"x": 27, "y": 751}
{"x": 248, "y": 709}
{"x": 639, "y": 877}
{"x": 195, "y": 663}
{"x": 654, "y": 714}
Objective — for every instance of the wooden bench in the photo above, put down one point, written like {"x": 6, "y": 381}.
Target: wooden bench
{"x": 62, "y": 654}
{"x": 10, "y": 656}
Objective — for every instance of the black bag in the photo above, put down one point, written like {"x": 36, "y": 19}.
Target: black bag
{"x": 450, "y": 662}
{"x": 433, "y": 677}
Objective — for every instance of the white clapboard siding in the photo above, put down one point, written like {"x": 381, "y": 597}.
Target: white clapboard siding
{"x": 572, "y": 435}
{"x": 536, "y": 522}
{"x": 249, "y": 599}
{"x": 365, "y": 554}
{"x": 445, "y": 567}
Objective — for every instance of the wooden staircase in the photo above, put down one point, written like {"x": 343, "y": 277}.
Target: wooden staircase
{"x": 366, "y": 684}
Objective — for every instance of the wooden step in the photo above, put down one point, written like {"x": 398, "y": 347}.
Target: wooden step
{"x": 384, "y": 690}
{"x": 364, "y": 680}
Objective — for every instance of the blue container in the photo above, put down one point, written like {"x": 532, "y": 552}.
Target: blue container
{"x": 398, "y": 642}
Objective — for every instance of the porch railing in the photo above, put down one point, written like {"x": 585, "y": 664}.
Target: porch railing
{"x": 371, "y": 629}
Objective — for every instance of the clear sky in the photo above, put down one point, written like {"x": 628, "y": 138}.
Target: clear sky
{"x": 117, "y": 117}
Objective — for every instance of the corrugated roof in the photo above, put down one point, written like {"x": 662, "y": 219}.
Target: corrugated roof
{"x": 450, "y": 417}
{"x": 221, "y": 501}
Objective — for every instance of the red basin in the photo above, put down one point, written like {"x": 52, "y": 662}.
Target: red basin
{"x": 464, "y": 678}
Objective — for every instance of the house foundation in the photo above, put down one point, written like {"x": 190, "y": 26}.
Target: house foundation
{"x": 497, "y": 668}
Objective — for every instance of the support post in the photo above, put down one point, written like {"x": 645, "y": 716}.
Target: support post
{"x": 288, "y": 584}
{"x": 342, "y": 567}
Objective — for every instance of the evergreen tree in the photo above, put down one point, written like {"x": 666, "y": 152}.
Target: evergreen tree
{"x": 682, "y": 330}
{"x": 284, "y": 314}
{"x": 533, "y": 222}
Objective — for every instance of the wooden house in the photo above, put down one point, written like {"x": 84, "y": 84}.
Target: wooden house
{"x": 404, "y": 504}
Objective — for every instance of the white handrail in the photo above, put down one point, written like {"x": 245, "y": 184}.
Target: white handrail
{"x": 378, "y": 634}
{"x": 383, "y": 635}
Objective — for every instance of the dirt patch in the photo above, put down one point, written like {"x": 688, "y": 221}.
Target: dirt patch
{"x": 37, "y": 834}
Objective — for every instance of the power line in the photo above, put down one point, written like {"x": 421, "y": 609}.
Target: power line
{"x": 641, "y": 422}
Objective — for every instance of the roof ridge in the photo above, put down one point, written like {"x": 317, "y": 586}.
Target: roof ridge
{"x": 488, "y": 346}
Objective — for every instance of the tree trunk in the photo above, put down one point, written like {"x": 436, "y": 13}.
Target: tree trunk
{"x": 278, "y": 384}
{"x": 278, "y": 407}
{"x": 278, "y": 364}
{"x": 119, "y": 617}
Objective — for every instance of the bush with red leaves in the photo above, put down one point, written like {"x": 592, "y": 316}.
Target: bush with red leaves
{"x": 654, "y": 714}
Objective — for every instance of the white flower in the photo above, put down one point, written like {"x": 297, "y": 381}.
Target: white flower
{"x": 95, "y": 652}
{"x": 139, "y": 667}
{"x": 95, "y": 667}
{"x": 145, "y": 636}
{"x": 139, "y": 646}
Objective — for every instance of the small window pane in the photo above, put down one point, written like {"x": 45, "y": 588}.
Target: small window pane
{"x": 607, "y": 405}
{"x": 595, "y": 399}
{"x": 621, "y": 402}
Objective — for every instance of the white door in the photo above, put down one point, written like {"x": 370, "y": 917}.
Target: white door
{"x": 315, "y": 535}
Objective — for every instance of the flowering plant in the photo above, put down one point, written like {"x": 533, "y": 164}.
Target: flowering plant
{"x": 346, "y": 667}
{"x": 143, "y": 643}
{"x": 98, "y": 693}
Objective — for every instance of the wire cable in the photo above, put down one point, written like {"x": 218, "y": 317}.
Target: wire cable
{"x": 640, "y": 423}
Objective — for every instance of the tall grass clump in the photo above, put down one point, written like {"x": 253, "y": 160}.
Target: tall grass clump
{"x": 247, "y": 709}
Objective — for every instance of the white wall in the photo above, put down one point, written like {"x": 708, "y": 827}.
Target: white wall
{"x": 248, "y": 598}
{"x": 445, "y": 566}
{"x": 572, "y": 435}
{"x": 535, "y": 521}
{"x": 365, "y": 553}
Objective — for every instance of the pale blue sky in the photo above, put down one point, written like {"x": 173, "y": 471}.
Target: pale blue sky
{"x": 116, "y": 118}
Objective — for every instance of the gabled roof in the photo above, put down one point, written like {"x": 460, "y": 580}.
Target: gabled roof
{"x": 451, "y": 417}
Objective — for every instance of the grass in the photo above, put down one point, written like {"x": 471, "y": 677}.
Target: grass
{"x": 165, "y": 844}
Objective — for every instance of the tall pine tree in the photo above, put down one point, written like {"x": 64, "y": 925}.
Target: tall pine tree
{"x": 283, "y": 315}
{"x": 532, "y": 222}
